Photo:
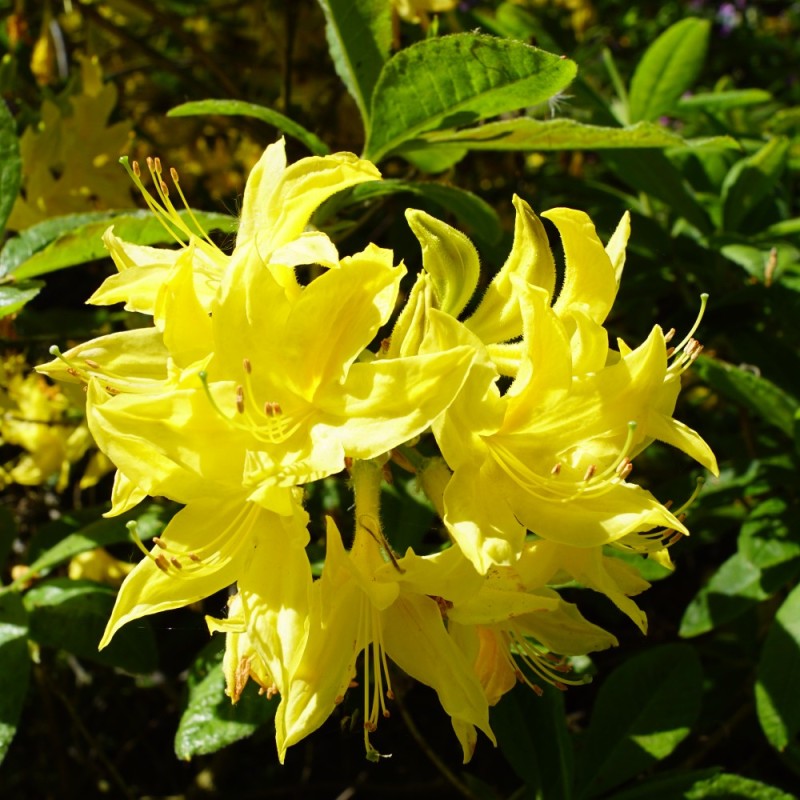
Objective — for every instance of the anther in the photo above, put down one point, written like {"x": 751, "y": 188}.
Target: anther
{"x": 669, "y": 335}
{"x": 248, "y": 367}
{"x": 589, "y": 474}
{"x": 390, "y": 694}
{"x": 111, "y": 390}
{"x": 175, "y": 562}
{"x": 161, "y": 563}
{"x": 157, "y": 161}
{"x": 369, "y": 726}
{"x": 240, "y": 399}
{"x": 560, "y": 686}
{"x": 173, "y": 173}
{"x": 150, "y": 164}
{"x": 164, "y": 188}
{"x": 160, "y": 542}
{"x": 386, "y": 713}
{"x": 338, "y": 700}
{"x": 90, "y": 363}
{"x": 194, "y": 557}
{"x": 272, "y": 409}
{"x": 556, "y": 469}
{"x": 136, "y": 171}
{"x": 72, "y": 371}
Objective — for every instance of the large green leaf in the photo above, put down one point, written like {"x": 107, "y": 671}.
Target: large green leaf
{"x": 751, "y": 180}
{"x": 210, "y": 721}
{"x": 759, "y": 395}
{"x": 667, "y": 69}
{"x": 21, "y": 247}
{"x": 777, "y": 698}
{"x": 714, "y": 102}
{"x": 651, "y": 172}
{"x": 457, "y": 80}
{"x": 532, "y": 734}
{"x": 474, "y": 213}
{"x": 241, "y": 108}
{"x": 15, "y": 666}
{"x": 644, "y": 709}
{"x": 735, "y": 787}
{"x": 733, "y": 589}
{"x": 359, "y": 34}
{"x": 525, "y": 133}
{"x": 71, "y": 615}
{"x": 14, "y": 297}
{"x": 10, "y": 164}
{"x": 84, "y": 243}
{"x": 771, "y": 533}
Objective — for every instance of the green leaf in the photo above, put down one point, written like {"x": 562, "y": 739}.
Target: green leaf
{"x": 769, "y": 535}
{"x": 84, "y": 243}
{"x": 759, "y": 395}
{"x": 13, "y": 298}
{"x": 10, "y": 164}
{"x": 101, "y": 533}
{"x": 644, "y": 709}
{"x": 667, "y": 786}
{"x": 733, "y": 589}
{"x": 210, "y": 721}
{"x": 777, "y": 698}
{"x": 31, "y": 240}
{"x": 457, "y": 80}
{"x": 735, "y": 787}
{"x": 473, "y": 212}
{"x": 359, "y": 34}
{"x": 668, "y": 68}
{"x": 651, "y": 172}
{"x": 240, "y": 108}
{"x": 714, "y": 102}
{"x": 15, "y": 666}
{"x": 532, "y": 734}
{"x": 525, "y": 133}
{"x": 751, "y": 180}
{"x": 72, "y": 615}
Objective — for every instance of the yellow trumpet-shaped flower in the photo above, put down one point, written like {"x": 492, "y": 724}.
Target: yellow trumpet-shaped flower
{"x": 514, "y": 619}
{"x": 451, "y": 271}
{"x": 386, "y": 608}
{"x": 213, "y": 543}
{"x": 277, "y": 205}
{"x": 553, "y": 453}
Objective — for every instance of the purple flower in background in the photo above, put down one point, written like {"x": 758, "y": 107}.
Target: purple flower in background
{"x": 729, "y": 16}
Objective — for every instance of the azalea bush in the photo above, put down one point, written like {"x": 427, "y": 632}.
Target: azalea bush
{"x": 413, "y": 474}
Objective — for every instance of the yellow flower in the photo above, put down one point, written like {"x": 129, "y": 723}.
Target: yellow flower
{"x": 367, "y": 601}
{"x": 277, "y": 205}
{"x": 100, "y": 566}
{"x": 48, "y": 424}
{"x": 213, "y": 543}
{"x": 582, "y": 303}
{"x": 417, "y": 11}
{"x": 552, "y": 454}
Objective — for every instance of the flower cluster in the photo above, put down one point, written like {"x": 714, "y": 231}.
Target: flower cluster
{"x": 519, "y": 420}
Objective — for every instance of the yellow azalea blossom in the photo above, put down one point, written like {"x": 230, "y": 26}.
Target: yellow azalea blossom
{"x": 48, "y": 424}
{"x": 211, "y": 544}
{"x": 553, "y": 453}
{"x": 387, "y": 610}
{"x": 417, "y": 11}
{"x": 451, "y": 265}
{"x": 513, "y": 617}
{"x": 277, "y": 205}
{"x": 241, "y": 661}
{"x": 100, "y": 566}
